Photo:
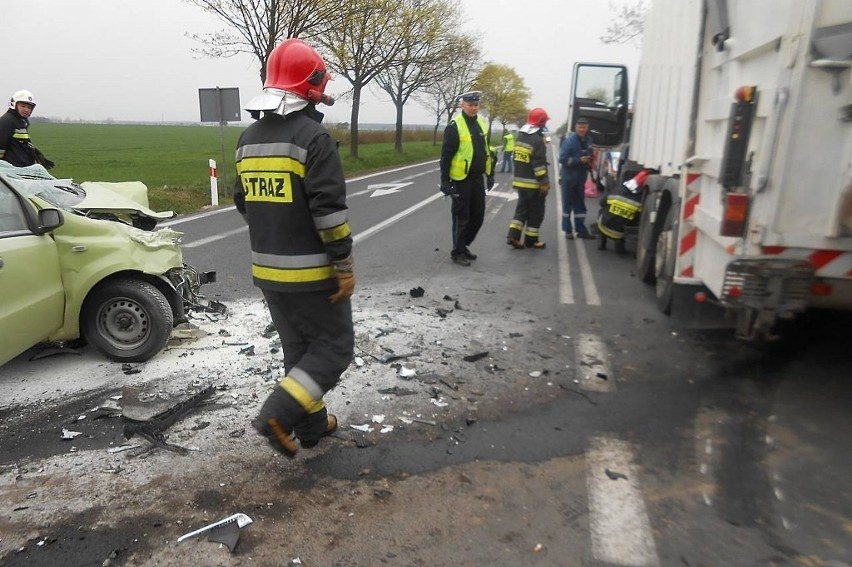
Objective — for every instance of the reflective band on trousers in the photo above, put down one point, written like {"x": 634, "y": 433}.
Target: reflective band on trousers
{"x": 304, "y": 390}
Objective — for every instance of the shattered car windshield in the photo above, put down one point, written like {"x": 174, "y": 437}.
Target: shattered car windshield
{"x": 31, "y": 182}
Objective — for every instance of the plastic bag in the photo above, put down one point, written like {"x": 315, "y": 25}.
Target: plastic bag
{"x": 591, "y": 188}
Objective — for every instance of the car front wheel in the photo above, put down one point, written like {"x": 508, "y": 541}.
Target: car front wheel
{"x": 127, "y": 320}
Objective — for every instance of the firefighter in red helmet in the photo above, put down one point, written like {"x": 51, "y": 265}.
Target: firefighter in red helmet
{"x": 292, "y": 192}
{"x": 532, "y": 181}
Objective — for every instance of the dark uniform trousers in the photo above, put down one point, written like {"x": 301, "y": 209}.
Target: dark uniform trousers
{"x": 317, "y": 338}
{"x": 468, "y": 211}
{"x": 530, "y": 212}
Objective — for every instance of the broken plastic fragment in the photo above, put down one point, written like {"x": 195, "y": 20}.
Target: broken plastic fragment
{"x": 407, "y": 372}
{"x": 68, "y": 434}
{"x": 225, "y": 531}
{"x": 438, "y": 403}
{"x": 365, "y": 428}
{"x": 378, "y": 419}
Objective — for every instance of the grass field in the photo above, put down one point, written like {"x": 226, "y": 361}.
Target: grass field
{"x": 173, "y": 160}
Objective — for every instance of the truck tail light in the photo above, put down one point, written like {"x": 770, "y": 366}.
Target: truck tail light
{"x": 735, "y": 214}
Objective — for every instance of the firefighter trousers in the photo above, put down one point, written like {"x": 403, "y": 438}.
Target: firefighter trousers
{"x": 529, "y": 214}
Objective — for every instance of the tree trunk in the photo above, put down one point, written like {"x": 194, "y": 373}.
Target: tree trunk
{"x": 353, "y": 124}
{"x": 398, "y": 142}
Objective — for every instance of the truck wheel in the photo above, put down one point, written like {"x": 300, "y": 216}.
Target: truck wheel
{"x": 664, "y": 262}
{"x": 127, "y": 320}
{"x": 646, "y": 246}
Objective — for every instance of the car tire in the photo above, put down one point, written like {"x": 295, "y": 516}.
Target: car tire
{"x": 127, "y": 320}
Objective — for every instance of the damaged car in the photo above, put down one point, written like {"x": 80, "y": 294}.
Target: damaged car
{"x": 84, "y": 261}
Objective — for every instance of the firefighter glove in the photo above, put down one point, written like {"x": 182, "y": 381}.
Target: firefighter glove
{"x": 447, "y": 188}
{"x": 345, "y": 279}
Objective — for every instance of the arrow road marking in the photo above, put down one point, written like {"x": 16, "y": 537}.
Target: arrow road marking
{"x": 380, "y": 189}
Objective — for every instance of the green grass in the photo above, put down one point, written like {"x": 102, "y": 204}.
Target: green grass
{"x": 173, "y": 160}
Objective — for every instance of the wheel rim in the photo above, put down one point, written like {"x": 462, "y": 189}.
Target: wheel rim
{"x": 123, "y": 323}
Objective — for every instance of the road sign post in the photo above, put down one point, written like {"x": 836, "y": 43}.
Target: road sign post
{"x": 222, "y": 106}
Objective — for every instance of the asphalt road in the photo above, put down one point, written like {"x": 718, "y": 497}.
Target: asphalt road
{"x": 594, "y": 432}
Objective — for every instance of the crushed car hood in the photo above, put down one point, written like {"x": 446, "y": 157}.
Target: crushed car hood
{"x": 123, "y": 197}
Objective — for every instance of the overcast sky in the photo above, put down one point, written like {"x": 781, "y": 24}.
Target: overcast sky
{"x": 131, "y": 59}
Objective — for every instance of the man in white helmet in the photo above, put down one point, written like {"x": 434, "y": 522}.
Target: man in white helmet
{"x": 16, "y": 147}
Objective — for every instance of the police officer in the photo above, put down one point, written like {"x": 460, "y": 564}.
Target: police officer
{"x": 292, "y": 192}
{"x": 466, "y": 163}
{"x": 532, "y": 181}
{"x": 506, "y": 166}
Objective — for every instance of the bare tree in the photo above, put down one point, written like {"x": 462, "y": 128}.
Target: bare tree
{"x": 257, "y": 26}
{"x": 424, "y": 53}
{"x": 365, "y": 44}
{"x": 460, "y": 59}
{"x": 628, "y": 23}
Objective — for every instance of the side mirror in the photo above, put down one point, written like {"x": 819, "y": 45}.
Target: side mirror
{"x": 49, "y": 219}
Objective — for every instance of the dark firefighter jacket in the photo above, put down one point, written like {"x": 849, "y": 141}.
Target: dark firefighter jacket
{"x": 15, "y": 144}
{"x": 530, "y": 159}
{"x": 292, "y": 190}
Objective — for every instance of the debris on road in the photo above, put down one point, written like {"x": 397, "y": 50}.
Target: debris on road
{"x": 475, "y": 357}
{"x": 153, "y": 429}
{"x": 225, "y": 531}
{"x": 613, "y": 475}
{"x": 417, "y": 292}
{"x": 68, "y": 434}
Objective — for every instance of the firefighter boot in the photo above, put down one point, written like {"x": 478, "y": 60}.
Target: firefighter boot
{"x": 315, "y": 426}
{"x": 277, "y": 420}
{"x": 601, "y": 241}
{"x": 619, "y": 247}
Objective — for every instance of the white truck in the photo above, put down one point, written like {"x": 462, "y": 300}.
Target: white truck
{"x": 741, "y": 127}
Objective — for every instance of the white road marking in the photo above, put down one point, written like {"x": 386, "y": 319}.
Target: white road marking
{"x": 591, "y": 358}
{"x": 620, "y": 529}
{"x": 381, "y": 189}
{"x": 209, "y": 239}
{"x": 566, "y": 292}
{"x": 361, "y": 236}
{"x": 589, "y": 288}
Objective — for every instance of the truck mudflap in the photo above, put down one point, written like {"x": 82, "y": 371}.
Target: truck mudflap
{"x": 765, "y": 290}
{"x": 187, "y": 282}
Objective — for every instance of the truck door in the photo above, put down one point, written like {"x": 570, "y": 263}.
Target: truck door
{"x": 33, "y": 298}
{"x": 600, "y": 94}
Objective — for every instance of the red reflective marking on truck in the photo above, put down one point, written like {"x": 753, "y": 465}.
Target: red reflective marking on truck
{"x": 689, "y": 207}
{"x": 819, "y": 258}
{"x": 688, "y": 241}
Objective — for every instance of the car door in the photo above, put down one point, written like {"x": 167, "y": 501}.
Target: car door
{"x": 32, "y": 298}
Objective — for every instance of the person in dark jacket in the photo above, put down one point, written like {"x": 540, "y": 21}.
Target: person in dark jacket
{"x": 532, "y": 181}
{"x": 466, "y": 167}
{"x": 292, "y": 192}
{"x": 575, "y": 157}
{"x": 16, "y": 147}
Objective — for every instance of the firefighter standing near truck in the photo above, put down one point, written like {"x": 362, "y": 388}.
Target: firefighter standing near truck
{"x": 532, "y": 181}
{"x": 292, "y": 192}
